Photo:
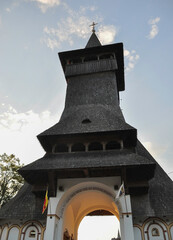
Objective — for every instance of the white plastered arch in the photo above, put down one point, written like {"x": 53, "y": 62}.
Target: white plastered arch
{"x": 82, "y": 199}
{"x": 85, "y": 186}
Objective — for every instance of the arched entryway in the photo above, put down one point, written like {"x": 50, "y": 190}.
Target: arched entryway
{"x": 78, "y": 202}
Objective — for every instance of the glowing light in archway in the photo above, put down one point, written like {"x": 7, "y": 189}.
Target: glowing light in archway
{"x": 98, "y": 228}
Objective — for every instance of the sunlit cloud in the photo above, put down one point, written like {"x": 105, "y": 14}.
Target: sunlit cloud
{"x": 131, "y": 58}
{"x": 107, "y": 34}
{"x": 154, "y": 28}
{"x": 77, "y": 25}
{"x": 51, "y": 43}
{"x": 19, "y": 131}
{"x": 66, "y": 30}
{"x": 45, "y": 4}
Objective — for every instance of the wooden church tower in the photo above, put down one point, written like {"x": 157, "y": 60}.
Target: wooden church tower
{"x": 90, "y": 152}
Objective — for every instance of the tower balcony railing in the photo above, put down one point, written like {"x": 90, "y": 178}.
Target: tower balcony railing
{"x": 93, "y": 66}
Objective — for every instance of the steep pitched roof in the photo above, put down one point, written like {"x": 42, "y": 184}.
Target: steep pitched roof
{"x": 23, "y": 206}
{"x": 93, "y": 41}
{"x": 158, "y": 201}
{"x": 93, "y": 97}
{"x": 102, "y": 118}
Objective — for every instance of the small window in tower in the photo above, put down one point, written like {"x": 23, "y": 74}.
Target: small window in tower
{"x": 59, "y": 148}
{"x": 32, "y": 234}
{"x": 90, "y": 58}
{"x": 113, "y": 145}
{"x": 95, "y": 146}
{"x": 155, "y": 232}
{"x": 78, "y": 147}
{"x": 85, "y": 121}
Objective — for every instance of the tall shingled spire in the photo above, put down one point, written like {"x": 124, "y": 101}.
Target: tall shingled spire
{"x": 95, "y": 76}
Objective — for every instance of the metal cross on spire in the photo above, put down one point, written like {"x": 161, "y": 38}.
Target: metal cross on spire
{"x": 93, "y": 26}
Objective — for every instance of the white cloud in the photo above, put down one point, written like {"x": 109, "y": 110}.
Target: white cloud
{"x": 131, "y": 58}
{"x": 93, "y": 8}
{"x": 52, "y": 43}
{"x": 8, "y": 10}
{"x": 19, "y": 131}
{"x": 90, "y": 8}
{"x": 67, "y": 29}
{"x": 45, "y": 4}
{"x": 154, "y": 31}
{"x": 154, "y": 21}
{"x": 77, "y": 25}
{"x": 154, "y": 28}
{"x": 107, "y": 34}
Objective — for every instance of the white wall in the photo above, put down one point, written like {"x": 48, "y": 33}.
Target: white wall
{"x": 13, "y": 233}
{"x": 68, "y": 183}
{"x": 4, "y": 233}
{"x": 137, "y": 233}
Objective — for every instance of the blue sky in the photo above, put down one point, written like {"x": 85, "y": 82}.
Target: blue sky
{"x": 32, "y": 85}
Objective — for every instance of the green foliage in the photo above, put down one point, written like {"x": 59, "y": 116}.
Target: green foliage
{"x": 10, "y": 180}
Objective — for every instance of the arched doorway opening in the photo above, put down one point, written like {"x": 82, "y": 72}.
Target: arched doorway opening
{"x": 81, "y": 200}
{"x": 99, "y": 225}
